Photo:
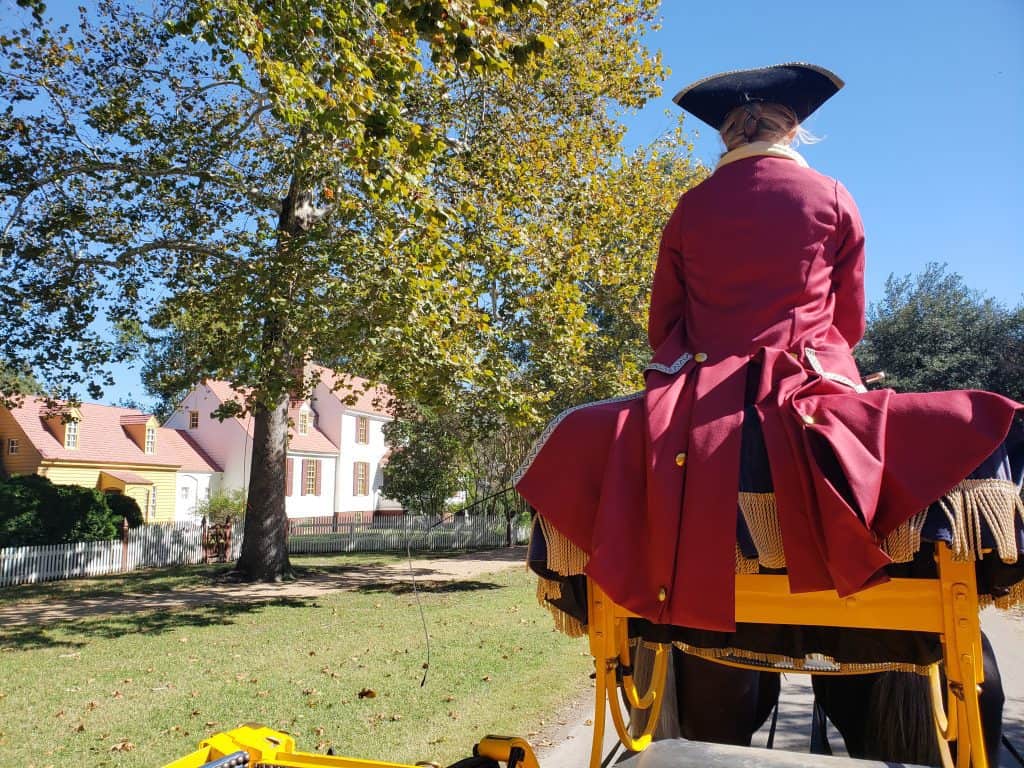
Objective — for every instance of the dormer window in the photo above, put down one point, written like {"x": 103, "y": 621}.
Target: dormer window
{"x": 71, "y": 434}
{"x": 141, "y": 428}
{"x": 193, "y": 419}
{"x": 305, "y": 419}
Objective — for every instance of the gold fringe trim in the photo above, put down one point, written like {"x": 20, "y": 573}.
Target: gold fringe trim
{"x": 1014, "y": 598}
{"x": 564, "y": 623}
{"x": 816, "y": 663}
{"x": 994, "y": 502}
{"x": 745, "y": 564}
{"x": 762, "y": 520}
{"x": 564, "y": 557}
{"x": 903, "y": 543}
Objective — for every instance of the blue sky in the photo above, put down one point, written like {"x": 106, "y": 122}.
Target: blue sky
{"x": 926, "y": 134}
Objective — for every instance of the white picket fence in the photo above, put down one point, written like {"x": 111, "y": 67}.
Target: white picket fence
{"x": 167, "y": 544}
{"x": 396, "y": 534}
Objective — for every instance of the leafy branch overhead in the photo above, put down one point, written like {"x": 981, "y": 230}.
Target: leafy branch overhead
{"x": 433, "y": 195}
{"x": 149, "y": 157}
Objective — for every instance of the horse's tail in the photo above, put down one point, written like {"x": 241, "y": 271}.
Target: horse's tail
{"x": 899, "y": 720}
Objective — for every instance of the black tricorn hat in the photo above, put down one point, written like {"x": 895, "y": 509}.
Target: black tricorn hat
{"x": 801, "y": 87}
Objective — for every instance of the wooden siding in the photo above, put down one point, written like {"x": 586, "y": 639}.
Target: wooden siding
{"x": 164, "y": 480}
{"x": 26, "y": 460}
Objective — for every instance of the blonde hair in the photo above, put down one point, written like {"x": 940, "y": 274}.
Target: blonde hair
{"x": 763, "y": 121}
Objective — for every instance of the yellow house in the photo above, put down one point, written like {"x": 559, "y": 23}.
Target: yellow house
{"x": 117, "y": 450}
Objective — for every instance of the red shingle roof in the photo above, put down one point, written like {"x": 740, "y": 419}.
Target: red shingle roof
{"x": 344, "y": 385}
{"x": 127, "y": 477}
{"x": 314, "y": 441}
{"x": 103, "y": 440}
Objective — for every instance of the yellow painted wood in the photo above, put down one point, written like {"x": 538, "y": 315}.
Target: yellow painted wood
{"x": 164, "y": 480}
{"x": 26, "y": 461}
{"x": 269, "y": 747}
{"x": 910, "y": 604}
{"x": 947, "y": 606}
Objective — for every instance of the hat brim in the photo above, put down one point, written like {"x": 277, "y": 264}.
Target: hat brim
{"x": 801, "y": 87}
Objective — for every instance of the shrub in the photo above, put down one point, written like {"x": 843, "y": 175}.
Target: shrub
{"x": 230, "y": 503}
{"x": 125, "y": 507}
{"x": 33, "y": 510}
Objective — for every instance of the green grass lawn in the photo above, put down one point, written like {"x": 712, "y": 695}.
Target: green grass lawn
{"x": 143, "y": 689}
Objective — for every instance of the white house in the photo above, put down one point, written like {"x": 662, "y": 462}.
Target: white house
{"x": 335, "y": 450}
{"x": 196, "y": 477}
{"x": 356, "y": 427}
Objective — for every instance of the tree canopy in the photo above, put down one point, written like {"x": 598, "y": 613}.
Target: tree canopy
{"x": 931, "y": 332}
{"x": 393, "y": 188}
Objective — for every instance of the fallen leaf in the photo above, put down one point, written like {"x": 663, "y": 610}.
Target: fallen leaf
{"x": 367, "y": 693}
{"x": 80, "y": 728}
{"x": 122, "y": 746}
{"x": 117, "y": 695}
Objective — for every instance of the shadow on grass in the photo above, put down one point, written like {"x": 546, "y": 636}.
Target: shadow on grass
{"x": 147, "y": 581}
{"x": 78, "y": 633}
{"x": 426, "y": 587}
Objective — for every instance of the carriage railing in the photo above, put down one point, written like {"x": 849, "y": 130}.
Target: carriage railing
{"x": 947, "y": 606}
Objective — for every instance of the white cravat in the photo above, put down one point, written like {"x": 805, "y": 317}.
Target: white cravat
{"x": 756, "y": 148}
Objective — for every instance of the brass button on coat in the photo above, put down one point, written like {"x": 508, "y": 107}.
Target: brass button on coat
{"x": 680, "y": 459}
{"x": 700, "y": 357}
{"x": 662, "y": 595}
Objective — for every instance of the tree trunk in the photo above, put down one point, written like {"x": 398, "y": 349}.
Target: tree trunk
{"x": 265, "y": 545}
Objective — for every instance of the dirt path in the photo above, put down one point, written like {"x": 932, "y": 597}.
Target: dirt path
{"x": 457, "y": 568}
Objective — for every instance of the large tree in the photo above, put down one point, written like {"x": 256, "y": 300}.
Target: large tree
{"x": 209, "y": 169}
{"x": 257, "y": 180}
{"x": 930, "y": 331}
{"x": 555, "y": 226}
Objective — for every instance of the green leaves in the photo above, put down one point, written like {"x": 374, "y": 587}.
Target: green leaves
{"x": 931, "y": 332}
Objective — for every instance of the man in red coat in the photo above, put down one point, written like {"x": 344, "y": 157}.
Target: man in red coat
{"x": 757, "y": 301}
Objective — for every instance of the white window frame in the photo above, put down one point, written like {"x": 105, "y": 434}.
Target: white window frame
{"x": 312, "y": 466}
{"x": 150, "y": 440}
{"x": 361, "y": 484}
{"x": 12, "y": 445}
{"x": 363, "y": 430}
{"x": 71, "y": 434}
{"x": 193, "y": 419}
{"x": 305, "y": 421}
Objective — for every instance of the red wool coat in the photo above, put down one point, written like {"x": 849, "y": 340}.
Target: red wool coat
{"x": 764, "y": 260}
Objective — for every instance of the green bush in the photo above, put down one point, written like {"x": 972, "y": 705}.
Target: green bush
{"x": 125, "y": 507}
{"x": 35, "y": 511}
{"x": 223, "y": 504}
